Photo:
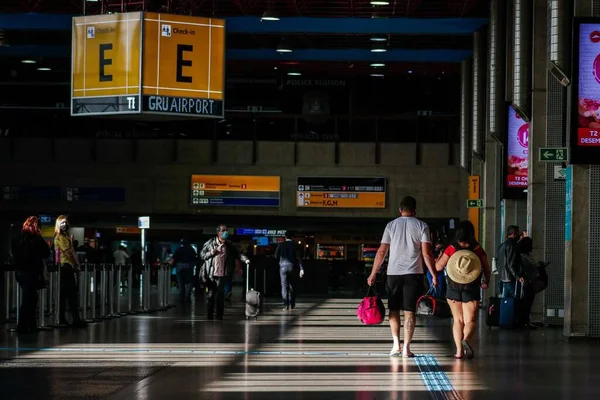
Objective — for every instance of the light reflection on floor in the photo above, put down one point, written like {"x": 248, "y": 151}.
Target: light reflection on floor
{"x": 353, "y": 358}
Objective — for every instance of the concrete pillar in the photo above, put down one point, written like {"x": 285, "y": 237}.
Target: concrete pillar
{"x": 492, "y": 175}
{"x": 465, "y": 114}
{"x": 582, "y": 234}
{"x": 577, "y": 251}
{"x": 536, "y": 189}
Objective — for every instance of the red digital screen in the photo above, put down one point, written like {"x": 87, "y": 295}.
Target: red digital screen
{"x": 588, "y": 102}
{"x": 517, "y": 150}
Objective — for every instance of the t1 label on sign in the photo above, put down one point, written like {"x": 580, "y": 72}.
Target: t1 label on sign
{"x": 476, "y": 203}
{"x": 553, "y": 154}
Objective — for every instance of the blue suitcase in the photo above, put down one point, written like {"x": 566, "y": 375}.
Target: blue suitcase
{"x": 509, "y": 309}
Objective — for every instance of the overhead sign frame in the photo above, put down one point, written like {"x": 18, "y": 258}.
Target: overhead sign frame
{"x": 83, "y": 32}
{"x": 157, "y": 98}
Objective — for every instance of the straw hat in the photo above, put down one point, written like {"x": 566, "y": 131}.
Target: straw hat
{"x": 463, "y": 267}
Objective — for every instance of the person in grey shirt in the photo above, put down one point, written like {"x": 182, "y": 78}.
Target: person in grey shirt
{"x": 408, "y": 241}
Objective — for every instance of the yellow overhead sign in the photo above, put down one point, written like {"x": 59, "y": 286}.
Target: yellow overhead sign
{"x": 182, "y": 65}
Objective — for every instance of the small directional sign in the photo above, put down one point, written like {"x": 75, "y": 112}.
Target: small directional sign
{"x": 475, "y": 203}
{"x": 560, "y": 173}
{"x": 553, "y": 154}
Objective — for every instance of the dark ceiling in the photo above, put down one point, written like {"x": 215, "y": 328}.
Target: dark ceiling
{"x": 283, "y": 8}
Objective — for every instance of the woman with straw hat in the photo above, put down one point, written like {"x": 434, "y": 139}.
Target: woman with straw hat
{"x": 465, "y": 261}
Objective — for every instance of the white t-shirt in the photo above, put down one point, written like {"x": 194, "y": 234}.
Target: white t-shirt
{"x": 405, "y": 235}
{"x": 120, "y": 257}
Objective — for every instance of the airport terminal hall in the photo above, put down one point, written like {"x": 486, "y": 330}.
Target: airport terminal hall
{"x": 299, "y": 199}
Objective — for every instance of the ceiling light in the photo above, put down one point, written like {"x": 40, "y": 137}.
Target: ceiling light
{"x": 28, "y": 61}
{"x": 410, "y": 71}
{"x": 377, "y": 75}
{"x": 378, "y": 39}
{"x": 378, "y": 65}
{"x": 44, "y": 69}
{"x": 284, "y": 47}
{"x": 294, "y": 73}
{"x": 380, "y": 3}
{"x": 378, "y": 49}
{"x": 269, "y": 15}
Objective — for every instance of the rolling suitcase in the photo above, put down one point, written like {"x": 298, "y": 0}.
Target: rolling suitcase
{"x": 510, "y": 309}
{"x": 253, "y": 298}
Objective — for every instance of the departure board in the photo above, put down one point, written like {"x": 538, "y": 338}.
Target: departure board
{"x": 235, "y": 191}
{"x": 340, "y": 192}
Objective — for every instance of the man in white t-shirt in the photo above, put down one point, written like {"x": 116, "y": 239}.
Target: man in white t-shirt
{"x": 409, "y": 243}
{"x": 121, "y": 256}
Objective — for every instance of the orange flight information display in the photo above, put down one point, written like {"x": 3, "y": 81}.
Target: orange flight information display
{"x": 339, "y": 192}
{"x": 235, "y": 190}
{"x": 106, "y": 64}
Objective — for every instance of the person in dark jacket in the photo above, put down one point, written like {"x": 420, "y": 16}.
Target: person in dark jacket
{"x": 530, "y": 267}
{"x": 510, "y": 262}
{"x": 29, "y": 250}
{"x": 288, "y": 256}
{"x": 184, "y": 260}
{"x": 219, "y": 256}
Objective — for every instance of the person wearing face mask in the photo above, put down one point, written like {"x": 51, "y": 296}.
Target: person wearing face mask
{"x": 219, "y": 256}
{"x": 69, "y": 266}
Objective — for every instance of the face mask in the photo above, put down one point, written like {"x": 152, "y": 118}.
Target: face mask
{"x": 224, "y": 235}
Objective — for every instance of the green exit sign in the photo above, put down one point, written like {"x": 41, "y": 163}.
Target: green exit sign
{"x": 553, "y": 154}
{"x": 477, "y": 203}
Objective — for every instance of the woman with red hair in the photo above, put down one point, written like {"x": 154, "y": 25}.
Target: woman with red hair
{"x": 29, "y": 250}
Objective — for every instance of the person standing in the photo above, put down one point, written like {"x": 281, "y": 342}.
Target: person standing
{"x": 184, "y": 259}
{"x": 288, "y": 256}
{"x": 69, "y": 266}
{"x": 219, "y": 256}
{"x": 29, "y": 250}
{"x": 409, "y": 243}
{"x": 531, "y": 274}
{"x": 510, "y": 262}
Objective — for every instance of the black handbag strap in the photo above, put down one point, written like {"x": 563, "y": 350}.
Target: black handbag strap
{"x": 372, "y": 290}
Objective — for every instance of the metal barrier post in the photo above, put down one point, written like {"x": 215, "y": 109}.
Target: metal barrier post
{"x": 143, "y": 308}
{"x": 15, "y": 300}
{"x": 167, "y": 283}
{"x": 148, "y": 288}
{"x": 7, "y": 275}
{"x": 111, "y": 292}
{"x": 118, "y": 290}
{"x": 161, "y": 298}
{"x": 93, "y": 291}
{"x": 42, "y": 311}
{"x": 264, "y": 293}
{"x": 102, "y": 288}
{"x": 57, "y": 309}
{"x": 130, "y": 290}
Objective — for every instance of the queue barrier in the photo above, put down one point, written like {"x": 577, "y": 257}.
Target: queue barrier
{"x": 105, "y": 291}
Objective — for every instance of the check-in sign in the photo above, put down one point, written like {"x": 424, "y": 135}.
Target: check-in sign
{"x": 106, "y": 64}
{"x": 183, "y": 65}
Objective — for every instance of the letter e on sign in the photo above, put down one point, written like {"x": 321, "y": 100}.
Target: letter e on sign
{"x": 183, "y": 57}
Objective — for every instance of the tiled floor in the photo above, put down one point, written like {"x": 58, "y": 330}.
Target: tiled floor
{"x": 317, "y": 351}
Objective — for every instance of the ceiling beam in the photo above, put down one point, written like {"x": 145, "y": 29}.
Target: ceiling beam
{"x": 326, "y": 55}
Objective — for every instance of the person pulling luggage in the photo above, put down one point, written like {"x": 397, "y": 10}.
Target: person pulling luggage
{"x": 219, "y": 256}
{"x": 288, "y": 256}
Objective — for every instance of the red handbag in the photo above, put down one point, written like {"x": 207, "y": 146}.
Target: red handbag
{"x": 371, "y": 310}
